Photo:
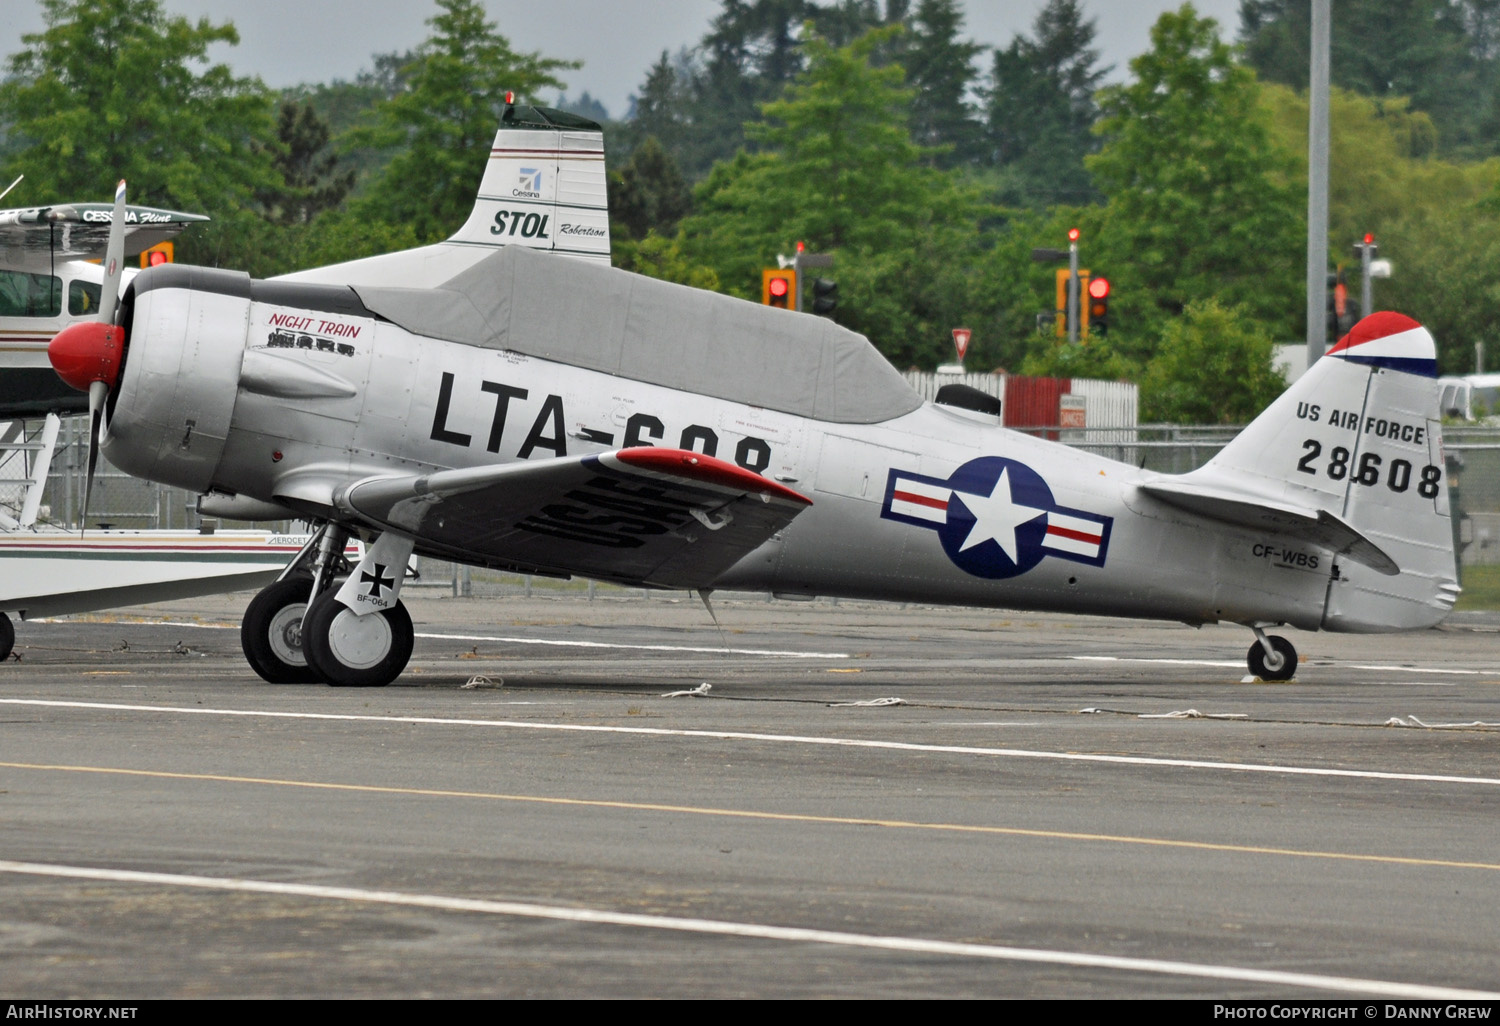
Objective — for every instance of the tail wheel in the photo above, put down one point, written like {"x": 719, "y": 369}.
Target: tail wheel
{"x": 271, "y": 632}
{"x": 1281, "y": 666}
{"x": 353, "y": 651}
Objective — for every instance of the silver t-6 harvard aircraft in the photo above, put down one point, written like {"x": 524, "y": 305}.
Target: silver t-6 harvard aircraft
{"x": 484, "y": 402}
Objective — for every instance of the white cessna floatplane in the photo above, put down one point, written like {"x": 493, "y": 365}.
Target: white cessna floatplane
{"x": 51, "y": 275}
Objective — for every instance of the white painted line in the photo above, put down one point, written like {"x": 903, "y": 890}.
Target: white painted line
{"x": 785, "y": 654}
{"x": 639, "y": 648}
{"x": 1420, "y": 669}
{"x": 1167, "y": 662}
{"x": 1212, "y": 662}
{"x": 731, "y": 735}
{"x": 793, "y": 935}
{"x": 709, "y": 650}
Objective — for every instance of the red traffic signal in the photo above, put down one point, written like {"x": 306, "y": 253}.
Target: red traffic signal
{"x": 156, "y": 255}
{"x": 1098, "y": 313}
{"x": 778, "y": 287}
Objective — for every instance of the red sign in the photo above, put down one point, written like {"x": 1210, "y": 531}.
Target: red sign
{"x": 961, "y": 341}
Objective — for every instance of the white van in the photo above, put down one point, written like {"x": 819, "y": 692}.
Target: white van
{"x": 1471, "y": 397}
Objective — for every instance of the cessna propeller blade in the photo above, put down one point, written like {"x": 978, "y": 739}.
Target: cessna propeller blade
{"x": 114, "y": 258}
{"x": 87, "y": 355}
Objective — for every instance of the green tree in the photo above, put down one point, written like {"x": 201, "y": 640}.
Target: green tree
{"x": 660, "y": 110}
{"x": 444, "y": 121}
{"x": 313, "y": 181}
{"x": 747, "y": 57}
{"x": 940, "y": 70}
{"x": 118, "y": 89}
{"x": 1445, "y": 261}
{"x": 348, "y": 105}
{"x": 837, "y": 169}
{"x": 1213, "y": 367}
{"x": 1040, "y": 111}
{"x": 658, "y": 256}
{"x": 649, "y": 192}
{"x": 1380, "y": 151}
{"x": 1201, "y": 202}
{"x": 1438, "y": 53}
{"x": 1436, "y": 219}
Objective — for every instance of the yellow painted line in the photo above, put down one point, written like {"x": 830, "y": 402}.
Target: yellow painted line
{"x": 784, "y": 817}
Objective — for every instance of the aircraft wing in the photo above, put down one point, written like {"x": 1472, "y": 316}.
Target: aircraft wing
{"x": 82, "y": 229}
{"x": 1317, "y": 526}
{"x": 646, "y": 515}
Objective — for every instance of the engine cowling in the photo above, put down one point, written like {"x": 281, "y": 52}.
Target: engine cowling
{"x": 169, "y": 418}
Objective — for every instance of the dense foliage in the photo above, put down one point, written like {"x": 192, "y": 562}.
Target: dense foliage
{"x": 928, "y": 165}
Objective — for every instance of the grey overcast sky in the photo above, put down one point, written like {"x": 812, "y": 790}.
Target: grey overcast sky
{"x": 287, "y": 42}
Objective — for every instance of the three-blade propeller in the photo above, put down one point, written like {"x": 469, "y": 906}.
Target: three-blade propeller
{"x": 87, "y": 355}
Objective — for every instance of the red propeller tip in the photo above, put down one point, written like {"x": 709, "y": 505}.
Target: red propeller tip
{"x": 87, "y": 352}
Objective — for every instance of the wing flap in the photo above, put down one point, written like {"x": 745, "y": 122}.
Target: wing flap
{"x": 663, "y": 517}
{"x": 1317, "y": 526}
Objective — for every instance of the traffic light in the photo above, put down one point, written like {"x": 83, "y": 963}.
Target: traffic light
{"x": 1060, "y": 323}
{"x": 1343, "y": 312}
{"x": 1096, "y": 321}
{"x": 155, "y": 256}
{"x": 778, "y": 287}
{"x": 825, "y": 296}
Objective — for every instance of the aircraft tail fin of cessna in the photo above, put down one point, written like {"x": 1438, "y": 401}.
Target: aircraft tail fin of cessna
{"x": 1349, "y": 459}
{"x": 543, "y": 188}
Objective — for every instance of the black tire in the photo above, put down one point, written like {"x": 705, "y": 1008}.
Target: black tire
{"x": 1256, "y": 658}
{"x": 271, "y": 632}
{"x": 351, "y": 651}
{"x": 7, "y": 637}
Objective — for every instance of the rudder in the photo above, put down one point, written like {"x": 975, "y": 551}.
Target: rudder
{"x": 1359, "y": 437}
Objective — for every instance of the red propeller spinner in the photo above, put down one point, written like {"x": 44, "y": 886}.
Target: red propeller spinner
{"x": 87, "y": 355}
{"x": 86, "y": 352}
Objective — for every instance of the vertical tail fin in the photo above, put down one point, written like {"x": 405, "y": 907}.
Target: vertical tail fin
{"x": 543, "y": 188}
{"x": 1357, "y": 443}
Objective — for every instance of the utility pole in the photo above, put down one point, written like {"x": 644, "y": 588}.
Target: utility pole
{"x": 1317, "y": 184}
{"x": 1366, "y": 251}
{"x": 1072, "y": 284}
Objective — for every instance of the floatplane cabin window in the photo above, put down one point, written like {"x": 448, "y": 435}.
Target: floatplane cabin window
{"x": 83, "y": 297}
{"x": 29, "y": 295}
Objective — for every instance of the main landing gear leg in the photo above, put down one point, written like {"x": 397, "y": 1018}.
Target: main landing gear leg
{"x": 271, "y": 632}
{"x": 369, "y": 648}
{"x": 1272, "y": 657}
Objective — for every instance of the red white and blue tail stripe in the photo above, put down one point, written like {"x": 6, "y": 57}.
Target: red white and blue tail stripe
{"x": 1392, "y": 341}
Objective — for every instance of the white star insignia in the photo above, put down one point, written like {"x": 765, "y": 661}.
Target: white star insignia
{"x": 997, "y": 516}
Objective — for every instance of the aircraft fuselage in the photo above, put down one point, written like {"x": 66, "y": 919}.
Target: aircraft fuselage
{"x": 282, "y": 404}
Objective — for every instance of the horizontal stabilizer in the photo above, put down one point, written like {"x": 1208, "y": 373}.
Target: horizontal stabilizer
{"x": 1316, "y": 526}
{"x": 665, "y": 517}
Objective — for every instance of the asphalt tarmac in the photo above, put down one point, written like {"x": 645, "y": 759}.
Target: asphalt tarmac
{"x": 565, "y": 798}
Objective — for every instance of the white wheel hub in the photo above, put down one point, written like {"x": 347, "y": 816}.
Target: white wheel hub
{"x": 285, "y": 634}
{"x": 359, "y": 642}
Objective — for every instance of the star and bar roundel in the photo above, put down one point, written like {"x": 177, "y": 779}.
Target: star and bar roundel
{"x": 996, "y": 517}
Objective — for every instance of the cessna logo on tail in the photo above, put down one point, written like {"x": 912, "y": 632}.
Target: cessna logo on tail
{"x": 530, "y": 184}
{"x": 996, "y": 518}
